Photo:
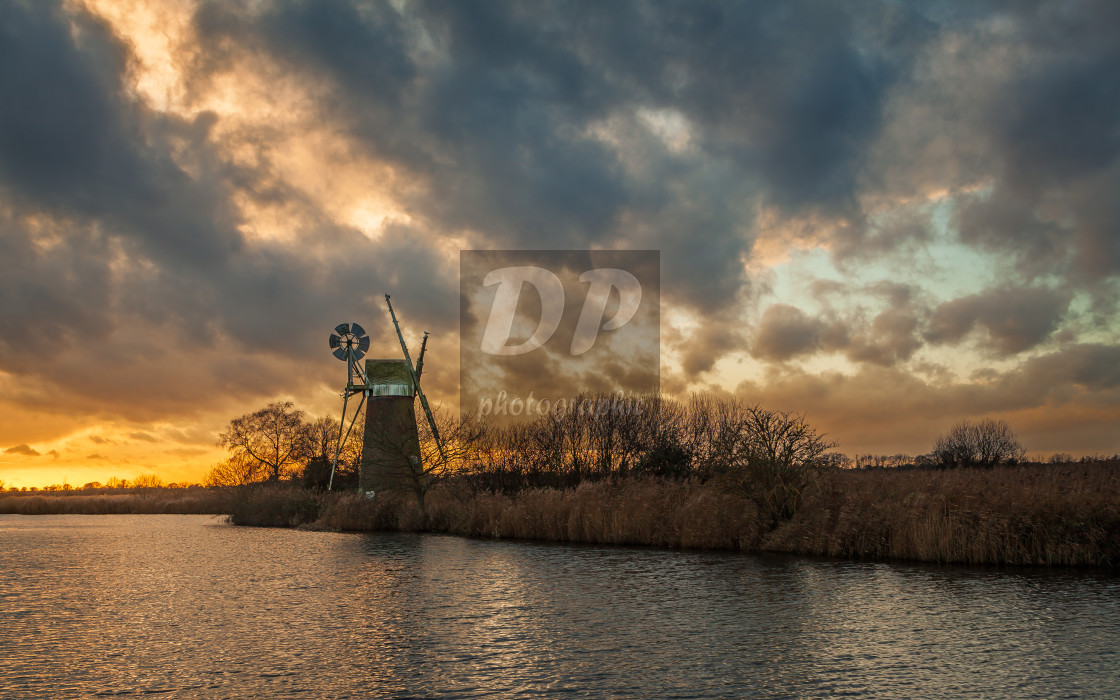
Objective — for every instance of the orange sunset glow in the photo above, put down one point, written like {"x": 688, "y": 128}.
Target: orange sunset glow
{"x": 887, "y": 219}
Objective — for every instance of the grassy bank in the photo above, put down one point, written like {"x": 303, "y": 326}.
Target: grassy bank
{"x": 1057, "y": 514}
{"x": 1066, "y": 515}
{"x": 155, "y": 500}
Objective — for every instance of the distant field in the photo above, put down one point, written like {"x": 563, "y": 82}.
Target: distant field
{"x": 121, "y": 501}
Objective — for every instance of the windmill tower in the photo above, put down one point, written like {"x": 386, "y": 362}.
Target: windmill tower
{"x": 391, "y": 458}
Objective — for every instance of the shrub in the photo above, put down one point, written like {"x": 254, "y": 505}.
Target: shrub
{"x": 274, "y": 506}
{"x": 984, "y": 443}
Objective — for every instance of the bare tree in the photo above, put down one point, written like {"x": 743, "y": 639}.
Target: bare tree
{"x": 237, "y": 470}
{"x": 983, "y": 443}
{"x": 147, "y": 481}
{"x": 273, "y": 437}
{"x": 321, "y": 440}
{"x": 780, "y": 457}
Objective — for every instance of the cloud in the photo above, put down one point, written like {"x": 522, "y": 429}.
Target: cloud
{"x": 1088, "y": 366}
{"x": 708, "y": 345}
{"x": 185, "y": 253}
{"x": 115, "y": 245}
{"x": 1013, "y": 320}
{"x": 891, "y": 338}
{"x": 23, "y": 449}
{"x": 1063, "y": 400}
{"x": 521, "y": 128}
{"x": 75, "y": 142}
{"x": 1016, "y": 319}
{"x": 96, "y": 455}
{"x": 143, "y": 436}
{"x": 786, "y": 331}
{"x": 1011, "y": 112}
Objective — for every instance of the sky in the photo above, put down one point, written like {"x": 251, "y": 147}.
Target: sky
{"x": 888, "y": 216}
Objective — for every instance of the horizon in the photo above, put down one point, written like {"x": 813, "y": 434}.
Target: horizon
{"x": 887, "y": 218}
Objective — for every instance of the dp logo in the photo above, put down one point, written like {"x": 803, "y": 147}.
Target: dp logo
{"x": 542, "y": 326}
{"x": 550, "y": 290}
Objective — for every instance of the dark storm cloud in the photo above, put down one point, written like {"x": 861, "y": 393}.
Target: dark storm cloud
{"x": 521, "y": 125}
{"x": 1016, "y": 319}
{"x": 1020, "y": 105}
{"x": 1060, "y": 118}
{"x": 818, "y": 106}
{"x": 496, "y": 107}
{"x": 72, "y": 142}
{"x": 88, "y": 183}
{"x": 709, "y": 344}
{"x": 50, "y": 295}
{"x": 1056, "y": 129}
{"x": 119, "y": 242}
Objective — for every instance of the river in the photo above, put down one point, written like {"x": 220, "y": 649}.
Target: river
{"x": 189, "y": 606}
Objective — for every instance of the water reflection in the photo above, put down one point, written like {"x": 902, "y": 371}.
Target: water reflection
{"x": 187, "y": 604}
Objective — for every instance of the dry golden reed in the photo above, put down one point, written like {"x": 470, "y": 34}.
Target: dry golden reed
{"x": 1055, "y": 514}
{"x": 1066, "y": 514}
{"x": 636, "y": 512}
{"x": 189, "y": 501}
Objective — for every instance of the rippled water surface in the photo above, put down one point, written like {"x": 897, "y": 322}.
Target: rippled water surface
{"x": 193, "y": 607}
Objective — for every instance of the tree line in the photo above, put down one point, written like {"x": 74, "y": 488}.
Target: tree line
{"x": 773, "y": 454}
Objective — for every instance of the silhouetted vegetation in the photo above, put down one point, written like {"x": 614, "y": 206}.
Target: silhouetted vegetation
{"x": 698, "y": 473}
{"x": 983, "y": 443}
{"x": 269, "y": 443}
{"x": 1065, "y": 515}
{"x": 277, "y": 444}
{"x": 729, "y": 475}
{"x": 772, "y": 455}
{"x": 270, "y": 505}
{"x": 104, "y": 501}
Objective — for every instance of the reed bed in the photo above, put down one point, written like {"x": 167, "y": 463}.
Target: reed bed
{"x": 187, "y": 501}
{"x": 1040, "y": 514}
{"x": 1066, "y": 514}
{"x": 628, "y": 512}
{"x": 1058, "y": 515}
{"x": 268, "y": 505}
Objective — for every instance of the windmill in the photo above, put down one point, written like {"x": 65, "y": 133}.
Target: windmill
{"x": 389, "y": 389}
{"x": 349, "y": 343}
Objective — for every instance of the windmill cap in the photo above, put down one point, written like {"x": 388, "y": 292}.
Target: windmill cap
{"x": 389, "y": 378}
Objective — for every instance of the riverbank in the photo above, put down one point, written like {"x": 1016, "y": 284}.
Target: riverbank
{"x": 1055, "y": 515}
{"x": 194, "y": 500}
